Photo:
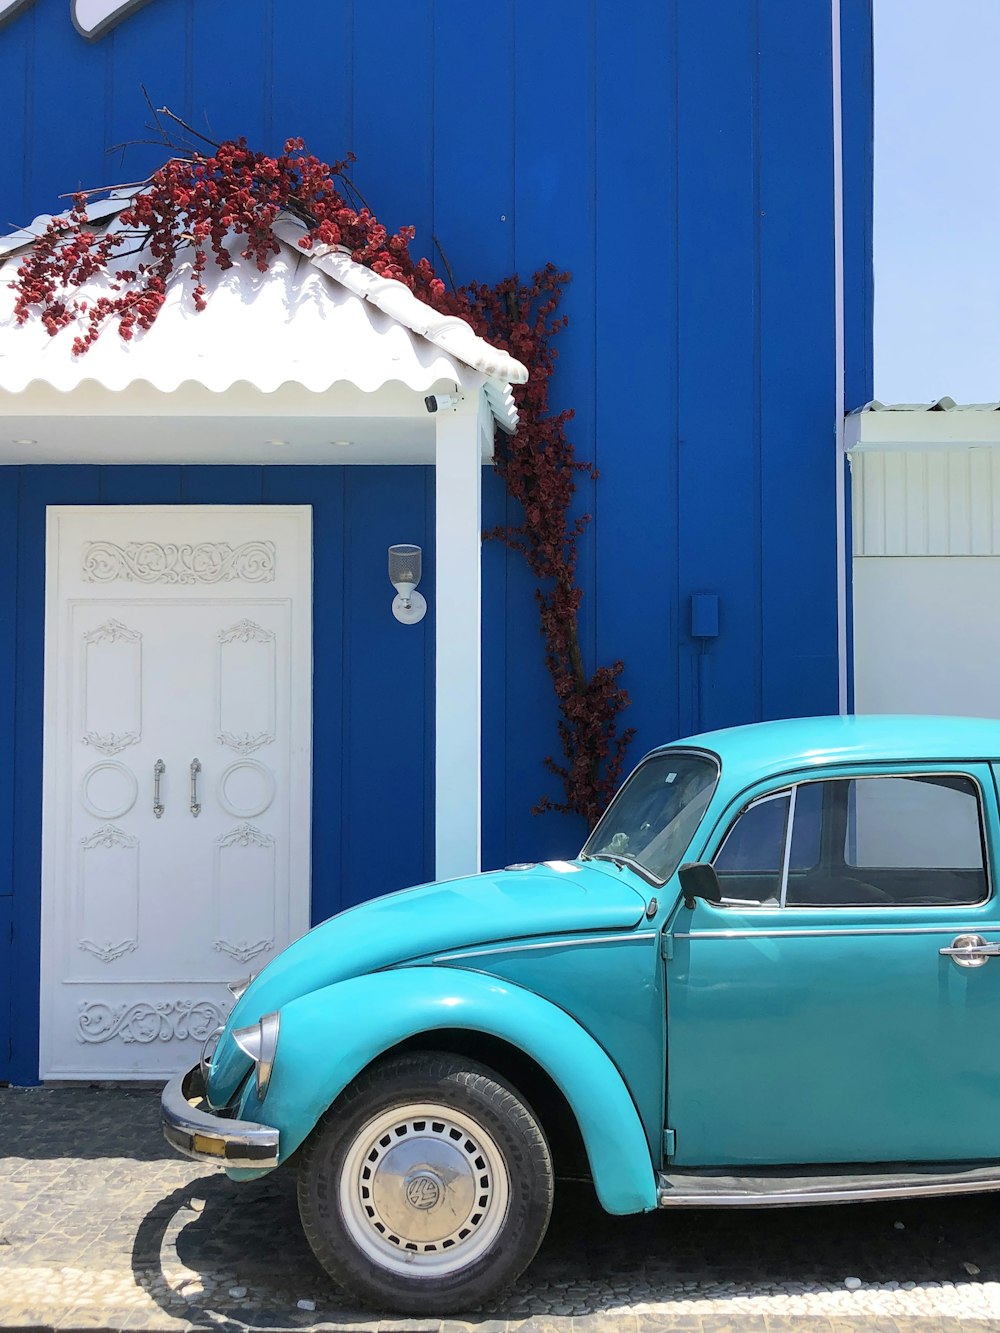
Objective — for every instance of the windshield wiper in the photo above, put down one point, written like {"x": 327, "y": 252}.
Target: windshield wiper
{"x": 619, "y": 861}
{"x": 626, "y": 862}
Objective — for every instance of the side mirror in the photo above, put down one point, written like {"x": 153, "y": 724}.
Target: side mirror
{"x": 699, "y": 880}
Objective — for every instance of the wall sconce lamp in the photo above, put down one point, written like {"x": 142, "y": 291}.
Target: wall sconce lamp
{"x": 405, "y": 566}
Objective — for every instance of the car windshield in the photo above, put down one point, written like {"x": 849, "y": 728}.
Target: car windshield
{"x": 654, "y": 817}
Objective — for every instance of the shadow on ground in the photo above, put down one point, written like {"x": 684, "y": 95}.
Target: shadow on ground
{"x": 248, "y": 1235}
{"x": 194, "y": 1243}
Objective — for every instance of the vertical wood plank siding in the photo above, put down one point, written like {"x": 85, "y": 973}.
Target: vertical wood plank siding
{"x": 637, "y": 582}
{"x": 679, "y": 162}
{"x": 797, "y": 532}
{"x": 718, "y": 336}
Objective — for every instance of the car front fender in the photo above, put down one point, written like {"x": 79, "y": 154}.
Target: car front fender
{"x": 330, "y": 1035}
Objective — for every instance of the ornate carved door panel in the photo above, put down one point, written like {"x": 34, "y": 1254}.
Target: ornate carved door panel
{"x": 177, "y": 774}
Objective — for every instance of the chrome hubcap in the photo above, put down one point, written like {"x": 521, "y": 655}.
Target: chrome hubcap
{"x": 425, "y": 1185}
{"x": 425, "y": 1190}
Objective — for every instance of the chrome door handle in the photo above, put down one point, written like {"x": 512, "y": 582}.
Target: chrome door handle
{"x": 159, "y": 768}
{"x": 970, "y": 951}
{"x": 195, "y": 770}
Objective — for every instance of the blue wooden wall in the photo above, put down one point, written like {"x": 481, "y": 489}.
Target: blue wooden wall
{"x": 679, "y": 164}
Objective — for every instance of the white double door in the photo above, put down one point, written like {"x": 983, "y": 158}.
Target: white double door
{"x": 177, "y": 774}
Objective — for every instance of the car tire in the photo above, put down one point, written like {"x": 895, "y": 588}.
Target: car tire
{"x": 427, "y": 1187}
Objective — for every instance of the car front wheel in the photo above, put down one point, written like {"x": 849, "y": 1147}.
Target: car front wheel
{"x": 427, "y": 1186}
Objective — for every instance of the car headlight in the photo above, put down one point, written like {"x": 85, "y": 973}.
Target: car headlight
{"x": 239, "y": 988}
{"x": 260, "y": 1042}
{"x": 208, "y": 1051}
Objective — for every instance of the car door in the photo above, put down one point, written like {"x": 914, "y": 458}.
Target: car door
{"x": 812, "y": 1016}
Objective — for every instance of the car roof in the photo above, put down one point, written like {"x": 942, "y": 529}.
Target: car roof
{"x": 762, "y": 748}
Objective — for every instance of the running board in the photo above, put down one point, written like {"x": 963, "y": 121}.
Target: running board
{"x": 779, "y": 1188}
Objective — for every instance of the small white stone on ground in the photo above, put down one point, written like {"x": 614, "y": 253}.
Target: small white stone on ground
{"x": 899, "y": 1226}
{"x": 852, "y": 1283}
{"x": 237, "y": 1292}
{"x": 971, "y": 1269}
{"x": 306, "y": 1305}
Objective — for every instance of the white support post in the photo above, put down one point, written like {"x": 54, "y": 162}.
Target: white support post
{"x": 840, "y": 491}
{"x": 458, "y": 612}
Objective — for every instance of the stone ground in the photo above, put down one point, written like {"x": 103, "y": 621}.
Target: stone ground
{"x": 102, "y": 1226}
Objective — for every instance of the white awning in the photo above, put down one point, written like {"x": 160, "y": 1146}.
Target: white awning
{"x": 318, "y": 357}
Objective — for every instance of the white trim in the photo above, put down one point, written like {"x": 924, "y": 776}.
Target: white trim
{"x": 838, "y": 320}
{"x": 458, "y": 665}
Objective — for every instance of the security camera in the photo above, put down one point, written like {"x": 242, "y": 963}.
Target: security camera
{"x": 440, "y": 402}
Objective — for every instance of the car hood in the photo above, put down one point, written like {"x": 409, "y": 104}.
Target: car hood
{"x": 552, "y": 898}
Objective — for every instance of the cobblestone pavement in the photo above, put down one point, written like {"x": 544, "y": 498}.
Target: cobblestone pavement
{"x": 102, "y": 1226}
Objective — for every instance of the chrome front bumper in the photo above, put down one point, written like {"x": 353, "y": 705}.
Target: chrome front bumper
{"x": 191, "y": 1128}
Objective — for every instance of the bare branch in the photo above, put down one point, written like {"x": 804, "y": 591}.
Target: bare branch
{"x": 354, "y": 190}
{"x": 134, "y": 143}
{"x": 444, "y": 261}
{"x": 189, "y": 129}
{"x": 106, "y": 189}
{"x": 298, "y": 209}
{"x": 27, "y": 231}
{"x": 124, "y": 254}
{"x": 164, "y": 137}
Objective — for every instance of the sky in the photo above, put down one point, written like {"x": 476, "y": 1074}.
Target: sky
{"x": 937, "y": 200}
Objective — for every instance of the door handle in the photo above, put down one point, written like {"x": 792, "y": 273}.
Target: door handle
{"x": 195, "y": 770}
{"x": 970, "y": 951}
{"x": 159, "y": 768}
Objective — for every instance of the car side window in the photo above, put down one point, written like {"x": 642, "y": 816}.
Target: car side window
{"x": 892, "y": 841}
{"x": 750, "y": 861}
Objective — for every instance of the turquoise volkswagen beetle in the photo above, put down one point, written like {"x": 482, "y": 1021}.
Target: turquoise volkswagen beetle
{"x": 765, "y": 980}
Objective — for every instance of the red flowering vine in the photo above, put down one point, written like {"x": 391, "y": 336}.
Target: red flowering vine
{"x": 539, "y": 467}
{"x": 184, "y": 213}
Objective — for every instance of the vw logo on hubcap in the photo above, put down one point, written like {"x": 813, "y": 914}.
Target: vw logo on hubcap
{"x": 423, "y": 1190}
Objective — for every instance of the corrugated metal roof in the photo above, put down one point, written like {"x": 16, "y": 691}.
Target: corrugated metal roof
{"x": 943, "y": 426}
{"x": 316, "y": 320}
{"x": 940, "y": 405}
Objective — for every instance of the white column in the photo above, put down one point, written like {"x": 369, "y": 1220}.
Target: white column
{"x": 458, "y": 610}
{"x": 840, "y": 490}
